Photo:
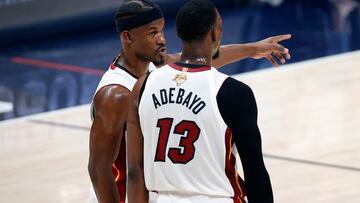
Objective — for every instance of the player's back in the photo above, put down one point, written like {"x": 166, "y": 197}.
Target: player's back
{"x": 188, "y": 148}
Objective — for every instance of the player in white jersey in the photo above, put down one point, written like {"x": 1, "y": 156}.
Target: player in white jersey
{"x": 140, "y": 25}
{"x": 117, "y": 75}
{"x": 187, "y": 120}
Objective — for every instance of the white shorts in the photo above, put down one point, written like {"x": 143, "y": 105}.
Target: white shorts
{"x": 92, "y": 196}
{"x": 166, "y": 197}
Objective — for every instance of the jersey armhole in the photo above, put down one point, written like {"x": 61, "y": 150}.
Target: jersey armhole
{"x": 92, "y": 103}
{"x": 107, "y": 86}
{"x": 143, "y": 87}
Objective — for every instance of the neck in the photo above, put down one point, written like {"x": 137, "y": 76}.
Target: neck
{"x": 196, "y": 53}
{"x": 133, "y": 64}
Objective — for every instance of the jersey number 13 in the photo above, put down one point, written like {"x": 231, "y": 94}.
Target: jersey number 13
{"x": 175, "y": 154}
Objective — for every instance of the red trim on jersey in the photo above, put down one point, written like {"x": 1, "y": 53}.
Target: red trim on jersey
{"x": 112, "y": 66}
{"x": 191, "y": 70}
{"x": 119, "y": 171}
{"x": 236, "y": 182}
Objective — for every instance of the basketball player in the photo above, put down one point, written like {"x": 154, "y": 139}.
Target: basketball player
{"x": 187, "y": 120}
{"x": 140, "y": 25}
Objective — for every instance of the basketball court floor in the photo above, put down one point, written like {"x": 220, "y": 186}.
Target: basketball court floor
{"x": 309, "y": 116}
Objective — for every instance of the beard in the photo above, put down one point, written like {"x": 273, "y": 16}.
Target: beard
{"x": 159, "y": 62}
{"x": 157, "y": 59}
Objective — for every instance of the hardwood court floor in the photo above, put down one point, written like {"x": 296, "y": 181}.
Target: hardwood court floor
{"x": 309, "y": 116}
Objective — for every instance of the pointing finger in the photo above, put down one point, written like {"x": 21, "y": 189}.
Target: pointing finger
{"x": 280, "y": 38}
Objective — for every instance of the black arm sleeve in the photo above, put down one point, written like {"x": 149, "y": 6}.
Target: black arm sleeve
{"x": 238, "y": 108}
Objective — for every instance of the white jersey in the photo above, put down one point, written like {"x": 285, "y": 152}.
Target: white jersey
{"x": 188, "y": 148}
{"x": 117, "y": 75}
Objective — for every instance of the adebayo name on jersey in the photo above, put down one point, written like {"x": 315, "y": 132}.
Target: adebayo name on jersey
{"x": 178, "y": 96}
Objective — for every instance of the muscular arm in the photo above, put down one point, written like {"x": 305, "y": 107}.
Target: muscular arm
{"x": 240, "y": 114}
{"x": 136, "y": 181}
{"x": 110, "y": 114}
{"x": 268, "y": 48}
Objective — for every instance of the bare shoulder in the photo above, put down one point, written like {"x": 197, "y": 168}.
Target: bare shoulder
{"x": 111, "y": 98}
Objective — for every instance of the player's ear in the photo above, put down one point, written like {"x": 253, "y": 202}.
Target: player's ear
{"x": 213, "y": 34}
{"x": 126, "y": 37}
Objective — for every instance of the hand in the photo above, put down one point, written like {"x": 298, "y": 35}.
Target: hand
{"x": 270, "y": 47}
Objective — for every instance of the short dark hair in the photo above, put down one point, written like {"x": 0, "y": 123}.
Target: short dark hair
{"x": 132, "y": 8}
{"x": 195, "y": 19}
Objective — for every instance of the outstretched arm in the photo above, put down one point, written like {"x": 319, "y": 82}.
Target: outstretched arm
{"x": 135, "y": 145}
{"x": 268, "y": 48}
{"x": 110, "y": 114}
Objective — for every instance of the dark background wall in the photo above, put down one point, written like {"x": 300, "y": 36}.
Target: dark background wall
{"x": 22, "y": 20}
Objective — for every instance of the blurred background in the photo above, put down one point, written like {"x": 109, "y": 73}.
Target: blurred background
{"x": 53, "y": 53}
